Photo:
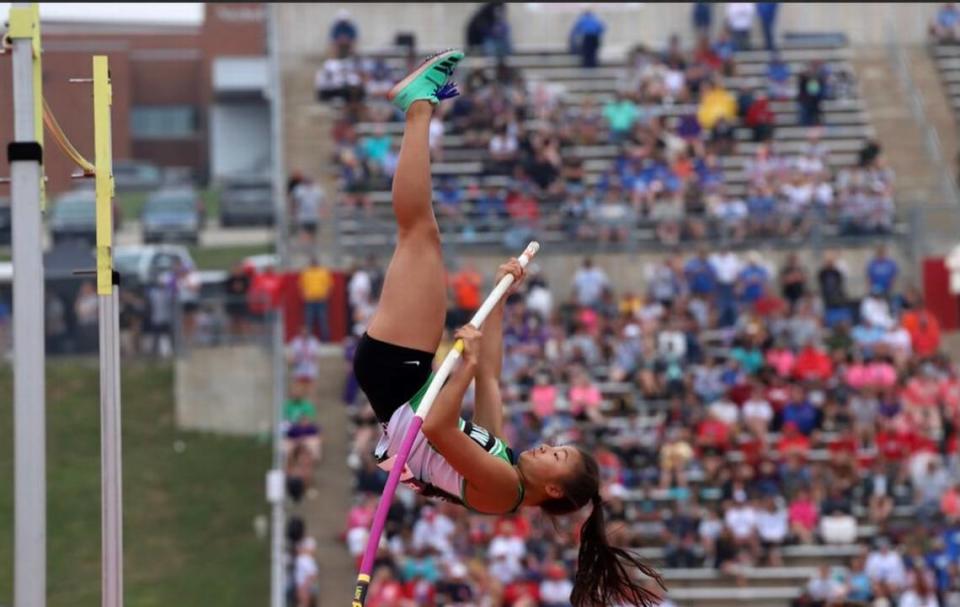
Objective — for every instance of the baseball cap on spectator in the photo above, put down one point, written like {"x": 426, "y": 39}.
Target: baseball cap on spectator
{"x": 617, "y": 491}
{"x": 458, "y": 570}
{"x": 555, "y": 571}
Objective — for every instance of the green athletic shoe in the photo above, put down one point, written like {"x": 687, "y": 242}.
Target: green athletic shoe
{"x": 430, "y": 81}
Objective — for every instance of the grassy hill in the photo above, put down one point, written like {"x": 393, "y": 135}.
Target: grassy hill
{"x": 188, "y": 516}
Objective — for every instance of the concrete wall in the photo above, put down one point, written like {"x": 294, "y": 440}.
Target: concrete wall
{"x": 229, "y": 389}
{"x": 226, "y": 390}
{"x": 304, "y": 27}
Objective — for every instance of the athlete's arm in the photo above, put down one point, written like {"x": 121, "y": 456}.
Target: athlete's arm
{"x": 486, "y": 474}
{"x": 488, "y": 406}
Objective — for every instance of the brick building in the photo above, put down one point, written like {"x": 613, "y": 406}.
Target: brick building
{"x": 183, "y": 95}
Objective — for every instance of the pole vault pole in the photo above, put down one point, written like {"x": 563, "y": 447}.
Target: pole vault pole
{"x": 276, "y": 486}
{"x": 111, "y": 473}
{"x": 25, "y": 154}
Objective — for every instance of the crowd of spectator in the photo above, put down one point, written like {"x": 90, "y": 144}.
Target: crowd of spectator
{"x": 811, "y": 410}
{"x": 668, "y": 171}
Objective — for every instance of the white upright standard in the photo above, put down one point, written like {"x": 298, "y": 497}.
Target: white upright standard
{"x": 29, "y": 400}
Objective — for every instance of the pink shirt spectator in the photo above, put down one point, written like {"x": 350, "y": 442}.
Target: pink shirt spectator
{"x": 544, "y": 400}
{"x": 803, "y": 512}
{"x": 584, "y": 397}
{"x": 782, "y": 361}
{"x": 882, "y": 375}
{"x": 360, "y": 515}
{"x": 857, "y": 375}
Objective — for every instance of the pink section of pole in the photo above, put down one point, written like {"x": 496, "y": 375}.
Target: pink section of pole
{"x": 383, "y": 508}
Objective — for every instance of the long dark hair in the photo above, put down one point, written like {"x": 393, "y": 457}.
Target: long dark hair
{"x": 603, "y": 576}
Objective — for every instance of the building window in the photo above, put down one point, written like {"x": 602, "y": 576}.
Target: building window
{"x": 164, "y": 122}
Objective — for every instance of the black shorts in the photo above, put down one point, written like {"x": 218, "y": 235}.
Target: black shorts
{"x": 390, "y": 375}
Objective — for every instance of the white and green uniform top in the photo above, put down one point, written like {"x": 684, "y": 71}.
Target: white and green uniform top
{"x": 427, "y": 472}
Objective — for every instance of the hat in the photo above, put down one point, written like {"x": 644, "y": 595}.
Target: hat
{"x": 617, "y": 491}
{"x": 458, "y": 570}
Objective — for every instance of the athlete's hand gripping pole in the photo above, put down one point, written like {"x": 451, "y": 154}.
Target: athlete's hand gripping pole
{"x": 380, "y": 518}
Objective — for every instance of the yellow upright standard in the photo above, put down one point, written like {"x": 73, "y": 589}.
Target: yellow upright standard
{"x": 103, "y": 160}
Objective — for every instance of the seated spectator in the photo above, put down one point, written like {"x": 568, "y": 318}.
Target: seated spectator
{"x": 824, "y": 588}
{"x": 760, "y": 118}
{"x": 757, "y": 413}
{"x": 675, "y": 454}
{"x": 455, "y": 587}
{"x": 778, "y": 78}
{"x": 585, "y": 398}
{"x": 556, "y": 587}
{"x": 620, "y": 113}
{"x": 772, "y": 529}
{"x": 812, "y": 364}
{"x": 340, "y": 77}
{"x": 741, "y": 519}
{"x": 792, "y": 441}
{"x": 449, "y": 199}
{"x": 716, "y": 103}
{"x": 946, "y": 25}
{"x": 885, "y": 566}
{"x": 804, "y": 517}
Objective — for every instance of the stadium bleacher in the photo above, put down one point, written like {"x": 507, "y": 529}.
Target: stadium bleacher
{"x": 844, "y": 132}
{"x": 627, "y": 412}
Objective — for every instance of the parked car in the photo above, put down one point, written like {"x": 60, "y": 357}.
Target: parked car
{"x": 6, "y": 222}
{"x": 134, "y": 176}
{"x": 172, "y": 215}
{"x": 247, "y": 201}
{"x": 140, "y": 265}
{"x": 74, "y": 217}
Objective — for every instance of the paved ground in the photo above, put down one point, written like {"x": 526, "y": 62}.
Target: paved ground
{"x": 213, "y": 236}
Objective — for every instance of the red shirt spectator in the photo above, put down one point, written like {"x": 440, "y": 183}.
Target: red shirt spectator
{"x": 522, "y": 206}
{"x": 769, "y": 304}
{"x": 792, "y": 441}
{"x": 778, "y": 395}
{"x": 759, "y": 113}
{"x": 264, "y": 293}
{"x": 924, "y": 330}
{"x": 921, "y": 392}
{"x": 713, "y": 433}
{"x": 813, "y": 364}
{"x": 894, "y": 444}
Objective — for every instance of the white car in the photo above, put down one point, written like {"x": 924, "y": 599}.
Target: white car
{"x": 141, "y": 264}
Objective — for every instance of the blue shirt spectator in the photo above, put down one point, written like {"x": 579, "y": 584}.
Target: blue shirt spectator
{"x": 882, "y": 272}
{"x": 948, "y": 16}
{"x": 753, "y": 281}
{"x": 702, "y": 16}
{"x": 586, "y": 37}
{"x": 701, "y": 277}
{"x": 761, "y": 206}
{"x": 588, "y": 24}
{"x": 802, "y": 413}
{"x": 491, "y": 205}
